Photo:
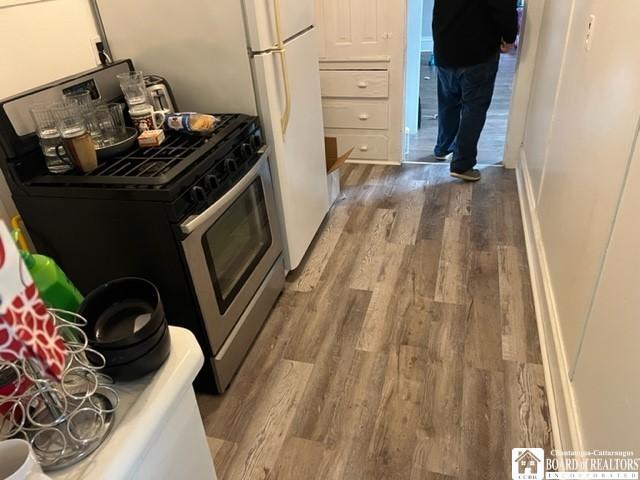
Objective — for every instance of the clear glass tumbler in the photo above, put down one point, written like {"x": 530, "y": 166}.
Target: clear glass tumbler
{"x": 49, "y": 138}
{"x": 106, "y": 124}
{"x": 81, "y": 97}
{"x": 69, "y": 118}
{"x": 76, "y": 138}
{"x": 133, "y": 87}
{"x": 116, "y": 114}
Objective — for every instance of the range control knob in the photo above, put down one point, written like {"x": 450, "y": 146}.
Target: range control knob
{"x": 212, "y": 181}
{"x": 231, "y": 165}
{"x": 246, "y": 151}
{"x": 198, "y": 194}
{"x": 256, "y": 141}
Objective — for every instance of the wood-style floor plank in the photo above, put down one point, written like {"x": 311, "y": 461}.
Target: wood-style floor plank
{"x": 331, "y": 368}
{"x": 519, "y": 334}
{"x": 439, "y": 435}
{"x": 406, "y": 225}
{"x": 436, "y": 203}
{"x": 372, "y": 255}
{"x": 308, "y": 278}
{"x": 483, "y": 340}
{"x": 394, "y": 436}
{"x": 439, "y": 329}
{"x": 483, "y": 426}
{"x": 384, "y": 316}
{"x": 265, "y": 434}
{"x": 509, "y": 221}
{"x": 300, "y": 459}
{"x": 453, "y": 269}
{"x": 421, "y": 272}
{"x": 354, "y": 420}
{"x": 484, "y": 210}
{"x": 459, "y": 199}
{"x": 222, "y": 452}
{"x": 226, "y": 416}
{"x": 404, "y": 346}
{"x": 526, "y": 408}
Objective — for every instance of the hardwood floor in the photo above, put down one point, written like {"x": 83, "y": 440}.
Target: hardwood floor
{"x": 404, "y": 347}
{"x": 492, "y": 140}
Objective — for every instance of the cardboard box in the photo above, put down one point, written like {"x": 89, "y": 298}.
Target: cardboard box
{"x": 334, "y": 162}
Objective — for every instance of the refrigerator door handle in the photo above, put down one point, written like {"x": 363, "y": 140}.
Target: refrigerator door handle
{"x": 283, "y": 64}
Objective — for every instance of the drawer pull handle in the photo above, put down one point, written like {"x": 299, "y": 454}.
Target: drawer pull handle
{"x": 363, "y": 85}
{"x": 364, "y": 117}
{"x": 364, "y": 148}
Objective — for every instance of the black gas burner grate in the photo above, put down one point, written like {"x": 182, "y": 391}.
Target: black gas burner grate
{"x": 153, "y": 166}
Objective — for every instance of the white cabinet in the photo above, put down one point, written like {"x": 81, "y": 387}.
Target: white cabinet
{"x": 373, "y": 147}
{"x": 362, "y": 76}
{"x": 355, "y": 83}
{"x": 355, "y": 114}
{"x": 354, "y": 27}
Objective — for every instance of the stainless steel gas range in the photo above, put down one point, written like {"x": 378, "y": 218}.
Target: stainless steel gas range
{"x": 195, "y": 216}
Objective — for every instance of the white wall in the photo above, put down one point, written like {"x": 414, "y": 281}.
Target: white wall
{"x": 41, "y": 42}
{"x": 44, "y": 41}
{"x": 549, "y": 60}
{"x": 427, "y": 31}
{"x": 590, "y": 145}
{"x": 583, "y": 116}
{"x": 523, "y": 80}
{"x": 606, "y": 381}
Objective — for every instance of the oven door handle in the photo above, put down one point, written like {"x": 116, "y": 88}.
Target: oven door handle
{"x": 195, "y": 221}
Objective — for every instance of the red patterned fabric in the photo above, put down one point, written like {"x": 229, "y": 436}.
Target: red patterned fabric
{"x": 34, "y": 332}
{"x": 26, "y": 328}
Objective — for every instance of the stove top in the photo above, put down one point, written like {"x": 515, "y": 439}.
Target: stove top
{"x": 154, "y": 167}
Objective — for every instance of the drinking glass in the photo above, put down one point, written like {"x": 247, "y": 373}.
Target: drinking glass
{"x": 76, "y": 138}
{"x": 69, "y": 118}
{"x": 116, "y": 113}
{"x": 95, "y": 121}
{"x": 106, "y": 124}
{"x": 49, "y": 138}
{"x": 133, "y": 87}
{"x": 81, "y": 97}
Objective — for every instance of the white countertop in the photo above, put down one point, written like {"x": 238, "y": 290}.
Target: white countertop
{"x": 144, "y": 404}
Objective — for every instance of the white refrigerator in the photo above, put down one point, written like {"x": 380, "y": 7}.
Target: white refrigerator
{"x": 258, "y": 57}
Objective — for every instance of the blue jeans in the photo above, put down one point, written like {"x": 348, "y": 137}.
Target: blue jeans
{"x": 464, "y": 96}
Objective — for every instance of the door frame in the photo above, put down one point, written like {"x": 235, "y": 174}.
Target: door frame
{"x": 522, "y": 82}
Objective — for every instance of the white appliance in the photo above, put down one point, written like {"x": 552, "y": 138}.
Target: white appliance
{"x": 250, "y": 56}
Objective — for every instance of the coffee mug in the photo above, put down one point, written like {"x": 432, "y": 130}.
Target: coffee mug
{"x": 81, "y": 150}
{"x": 145, "y": 118}
{"x": 18, "y": 462}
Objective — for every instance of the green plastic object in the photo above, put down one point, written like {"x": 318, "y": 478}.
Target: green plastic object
{"x": 56, "y": 290}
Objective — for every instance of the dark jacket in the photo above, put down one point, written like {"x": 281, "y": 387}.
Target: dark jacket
{"x": 469, "y": 32}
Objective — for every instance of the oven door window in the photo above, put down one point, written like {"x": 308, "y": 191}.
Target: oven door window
{"x": 236, "y": 243}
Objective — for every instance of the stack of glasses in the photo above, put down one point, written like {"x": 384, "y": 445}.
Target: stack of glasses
{"x": 140, "y": 109}
{"x": 70, "y": 131}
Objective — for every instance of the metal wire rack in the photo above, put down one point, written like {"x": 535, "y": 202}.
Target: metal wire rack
{"x": 65, "y": 420}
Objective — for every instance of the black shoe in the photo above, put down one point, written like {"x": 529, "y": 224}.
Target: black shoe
{"x": 472, "y": 175}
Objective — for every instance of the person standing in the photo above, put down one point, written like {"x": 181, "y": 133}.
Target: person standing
{"x": 468, "y": 38}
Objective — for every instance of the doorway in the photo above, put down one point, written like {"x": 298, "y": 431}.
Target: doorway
{"x": 421, "y": 136}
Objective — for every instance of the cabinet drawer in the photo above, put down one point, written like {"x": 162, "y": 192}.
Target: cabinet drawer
{"x": 355, "y": 83}
{"x": 366, "y": 147}
{"x": 355, "y": 114}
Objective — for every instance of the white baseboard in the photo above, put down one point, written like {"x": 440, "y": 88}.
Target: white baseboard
{"x": 562, "y": 407}
{"x": 373, "y": 162}
{"x": 426, "y": 44}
